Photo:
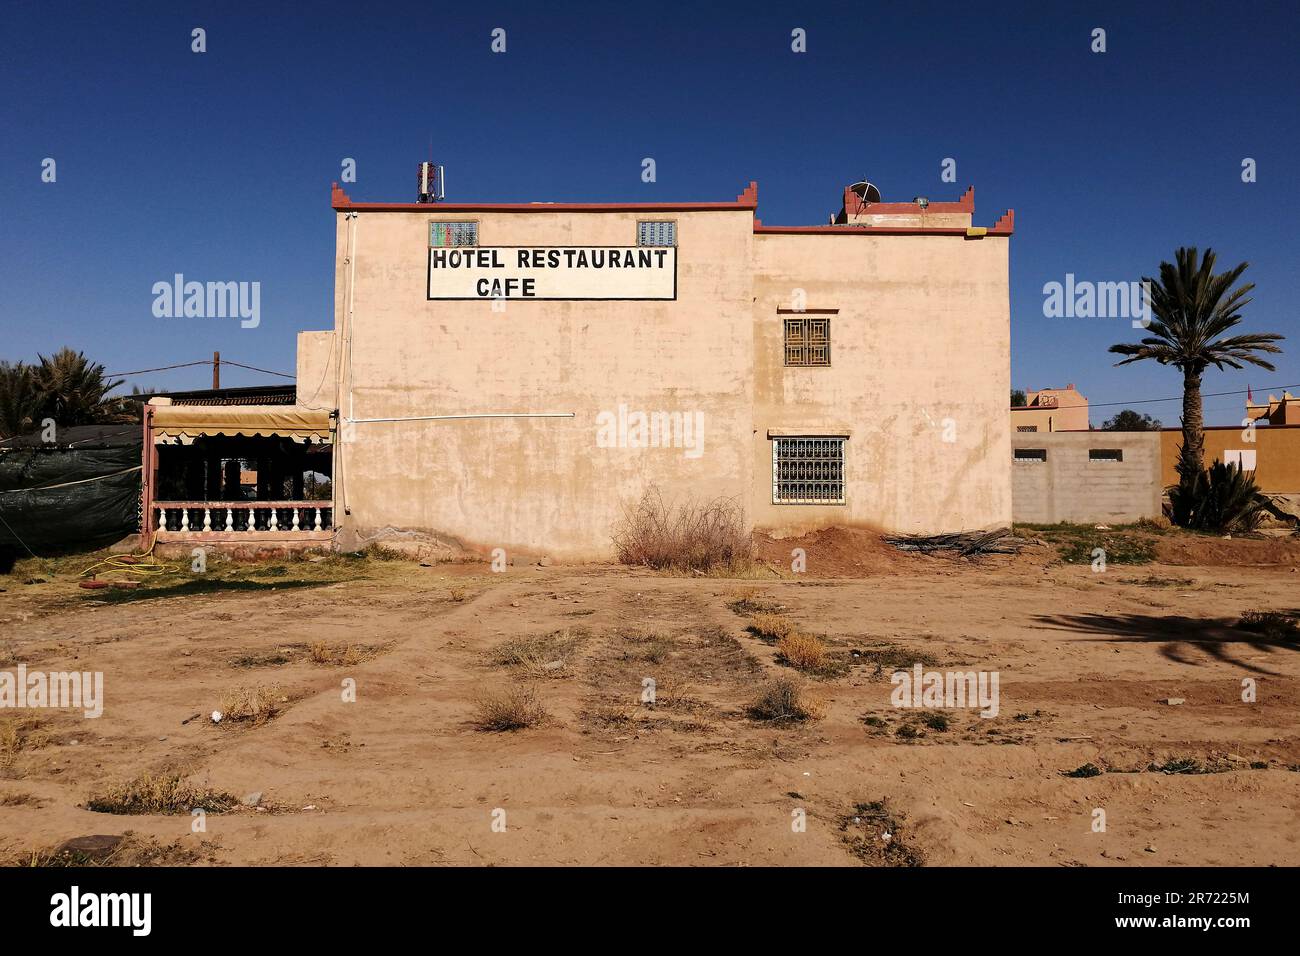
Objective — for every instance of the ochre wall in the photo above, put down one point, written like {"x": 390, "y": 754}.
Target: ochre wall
{"x": 1277, "y": 454}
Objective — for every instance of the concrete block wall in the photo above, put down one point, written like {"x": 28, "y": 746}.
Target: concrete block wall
{"x": 1069, "y": 486}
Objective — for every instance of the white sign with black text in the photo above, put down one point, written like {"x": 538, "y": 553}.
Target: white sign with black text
{"x": 553, "y": 272}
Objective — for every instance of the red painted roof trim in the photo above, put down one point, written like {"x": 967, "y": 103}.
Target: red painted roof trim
{"x": 747, "y": 200}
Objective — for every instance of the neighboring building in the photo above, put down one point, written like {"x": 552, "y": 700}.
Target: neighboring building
{"x": 1271, "y": 452}
{"x": 1085, "y": 477}
{"x": 517, "y": 375}
{"x": 1283, "y": 411}
{"x": 1051, "y": 410}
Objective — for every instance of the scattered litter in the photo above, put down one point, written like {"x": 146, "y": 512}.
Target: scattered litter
{"x": 253, "y": 799}
{"x": 216, "y": 716}
{"x": 1172, "y": 701}
{"x": 189, "y": 718}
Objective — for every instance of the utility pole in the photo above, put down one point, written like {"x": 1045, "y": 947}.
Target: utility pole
{"x": 216, "y": 369}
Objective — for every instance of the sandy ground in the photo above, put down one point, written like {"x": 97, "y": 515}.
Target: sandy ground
{"x": 402, "y": 776}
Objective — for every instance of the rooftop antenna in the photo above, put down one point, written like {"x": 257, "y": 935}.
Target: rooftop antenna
{"x": 431, "y": 183}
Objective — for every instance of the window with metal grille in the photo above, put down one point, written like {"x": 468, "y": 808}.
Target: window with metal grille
{"x": 1030, "y": 454}
{"x": 444, "y": 234}
{"x": 1026, "y": 428}
{"x": 656, "y": 233}
{"x": 808, "y": 471}
{"x": 1105, "y": 454}
{"x": 807, "y": 341}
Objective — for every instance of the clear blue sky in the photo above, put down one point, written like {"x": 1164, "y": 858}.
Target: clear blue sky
{"x": 218, "y": 165}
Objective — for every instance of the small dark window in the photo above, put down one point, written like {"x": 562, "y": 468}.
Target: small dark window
{"x": 1026, "y": 428}
{"x": 807, "y": 341}
{"x": 444, "y": 234}
{"x": 1031, "y": 454}
{"x": 650, "y": 233}
{"x": 1105, "y": 454}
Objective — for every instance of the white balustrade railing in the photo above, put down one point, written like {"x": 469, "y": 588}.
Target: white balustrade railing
{"x": 241, "y": 517}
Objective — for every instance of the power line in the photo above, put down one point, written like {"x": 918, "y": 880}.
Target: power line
{"x": 165, "y": 368}
{"x": 162, "y": 368}
{"x": 254, "y": 368}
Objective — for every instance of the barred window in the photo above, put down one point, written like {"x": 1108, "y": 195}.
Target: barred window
{"x": 808, "y": 471}
{"x": 1030, "y": 454}
{"x": 808, "y": 341}
{"x": 656, "y": 233}
{"x": 1105, "y": 454}
{"x": 444, "y": 234}
{"x": 1026, "y": 428}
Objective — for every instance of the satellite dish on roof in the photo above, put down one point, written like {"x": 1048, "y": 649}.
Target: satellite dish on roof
{"x": 866, "y": 191}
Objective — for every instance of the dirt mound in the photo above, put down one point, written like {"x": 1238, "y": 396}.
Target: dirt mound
{"x": 1209, "y": 552}
{"x": 841, "y": 552}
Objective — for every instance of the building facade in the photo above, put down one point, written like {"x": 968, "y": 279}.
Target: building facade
{"x": 517, "y": 376}
{"x": 1051, "y": 410}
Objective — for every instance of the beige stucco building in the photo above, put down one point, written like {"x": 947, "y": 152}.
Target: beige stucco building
{"x": 1051, "y": 410}
{"x": 515, "y": 375}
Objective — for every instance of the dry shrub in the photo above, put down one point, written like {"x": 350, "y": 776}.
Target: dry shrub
{"x": 106, "y": 850}
{"x": 1273, "y": 624}
{"x": 783, "y": 699}
{"x": 749, "y": 601}
{"x": 20, "y": 800}
{"x": 691, "y": 536}
{"x": 168, "y": 792}
{"x": 546, "y": 655}
{"x": 771, "y": 627}
{"x": 515, "y": 709}
{"x": 252, "y": 705}
{"x": 340, "y": 655}
{"x": 21, "y": 733}
{"x": 649, "y": 646}
{"x": 609, "y": 716}
{"x": 803, "y": 651}
{"x": 456, "y": 594}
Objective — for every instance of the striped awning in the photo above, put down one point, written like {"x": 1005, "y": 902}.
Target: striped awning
{"x": 181, "y": 424}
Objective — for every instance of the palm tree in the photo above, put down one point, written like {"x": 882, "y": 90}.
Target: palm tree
{"x": 73, "y": 389}
{"x": 1191, "y": 307}
{"x": 19, "y": 399}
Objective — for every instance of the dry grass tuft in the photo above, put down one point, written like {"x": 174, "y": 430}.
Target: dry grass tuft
{"x": 691, "y": 536}
{"x": 542, "y": 655}
{"x": 1274, "y": 624}
{"x": 106, "y": 850}
{"x": 20, "y": 800}
{"x": 456, "y": 594}
{"x": 648, "y": 646}
{"x": 749, "y": 601}
{"x": 21, "y": 733}
{"x": 783, "y": 699}
{"x": 341, "y": 655}
{"x": 771, "y": 627}
{"x": 514, "y": 709}
{"x": 803, "y": 652}
{"x": 168, "y": 792}
{"x": 252, "y": 705}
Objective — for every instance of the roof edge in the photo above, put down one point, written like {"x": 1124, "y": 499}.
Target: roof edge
{"x": 747, "y": 200}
